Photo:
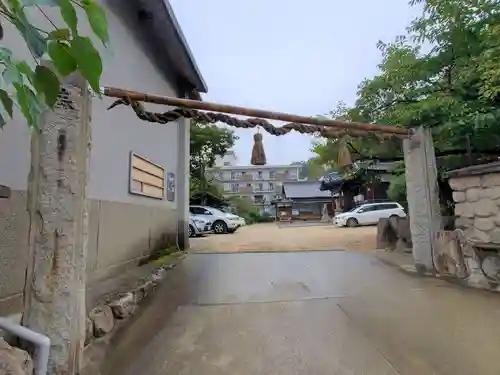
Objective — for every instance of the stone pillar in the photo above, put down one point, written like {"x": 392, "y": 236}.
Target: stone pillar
{"x": 182, "y": 188}
{"x": 423, "y": 197}
{"x": 57, "y": 204}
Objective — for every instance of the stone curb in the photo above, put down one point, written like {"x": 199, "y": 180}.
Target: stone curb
{"x": 102, "y": 319}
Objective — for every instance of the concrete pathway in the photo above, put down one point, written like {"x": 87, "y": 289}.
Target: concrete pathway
{"x": 328, "y": 312}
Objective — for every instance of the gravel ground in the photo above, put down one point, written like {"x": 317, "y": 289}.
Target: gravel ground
{"x": 271, "y": 237}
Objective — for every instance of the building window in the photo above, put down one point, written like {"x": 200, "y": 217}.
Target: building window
{"x": 272, "y": 175}
{"x": 249, "y": 185}
{"x": 235, "y": 188}
{"x": 271, "y": 186}
{"x": 259, "y": 175}
{"x": 260, "y": 187}
{"x": 226, "y": 163}
{"x": 234, "y": 175}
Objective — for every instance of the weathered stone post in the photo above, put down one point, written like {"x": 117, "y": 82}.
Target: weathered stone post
{"x": 57, "y": 204}
{"x": 423, "y": 197}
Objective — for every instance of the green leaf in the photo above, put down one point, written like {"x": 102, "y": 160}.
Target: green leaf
{"x": 61, "y": 56}
{"x": 11, "y": 75}
{"x": 31, "y": 35}
{"x": 24, "y": 68}
{"x": 59, "y": 34}
{"x": 68, "y": 14}
{"x": 23, "y": 101}
{"x": 97, "y": 20}
{"x": 88, "y": 60}
{"x": 6, "y": 102}
{"x": 5, "y": 54}
{"x": 51, "y": 3}
{"x": 47, "y": 83}
{"x": 2, "y": 121}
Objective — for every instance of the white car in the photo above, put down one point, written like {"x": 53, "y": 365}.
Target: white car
{"x": 223, "y": 222}
{"x": 369, "y": 214}
{"x": 199, "y": 226}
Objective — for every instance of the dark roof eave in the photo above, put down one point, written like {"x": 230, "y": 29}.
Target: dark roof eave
{"x": 165, "y": 36}
{"x": 474, "y": 170}
{"x": 198, "y": 81}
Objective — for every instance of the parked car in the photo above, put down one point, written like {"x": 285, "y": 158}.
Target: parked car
{"x": 223, "y": 222}
{"x": 199, "y": 226}
{"x": 369, "y": 214}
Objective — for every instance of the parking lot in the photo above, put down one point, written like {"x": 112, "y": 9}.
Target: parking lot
{"x": 288, "y": 237}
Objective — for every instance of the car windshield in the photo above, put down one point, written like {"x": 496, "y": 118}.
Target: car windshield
{"x": 217, "y": 211}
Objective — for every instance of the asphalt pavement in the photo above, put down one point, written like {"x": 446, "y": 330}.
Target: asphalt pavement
{"x": 320, "y": 312}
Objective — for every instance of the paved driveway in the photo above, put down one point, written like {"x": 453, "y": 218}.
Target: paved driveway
{"x": 323, "y": 312}
{"x": 294, "y": 237}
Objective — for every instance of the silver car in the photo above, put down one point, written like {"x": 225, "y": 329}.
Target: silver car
{"x": 199, "y": 226}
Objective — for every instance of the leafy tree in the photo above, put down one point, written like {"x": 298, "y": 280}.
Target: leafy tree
{"x": 207, "y": 141}
{"x": 33, "y": 86}
{"x": 443, "y": 74}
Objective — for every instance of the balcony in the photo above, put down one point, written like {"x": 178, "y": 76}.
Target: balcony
{"x": 246, "y": 177}
{"x": 245, "y": 189}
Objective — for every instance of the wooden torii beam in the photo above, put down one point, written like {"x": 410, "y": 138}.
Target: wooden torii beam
{"x": 252, "y": 112}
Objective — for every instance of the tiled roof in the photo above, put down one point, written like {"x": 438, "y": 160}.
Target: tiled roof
{"x": 304, "y": 189}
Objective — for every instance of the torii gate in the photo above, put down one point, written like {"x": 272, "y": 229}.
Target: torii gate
{"x": 419, "y": 156}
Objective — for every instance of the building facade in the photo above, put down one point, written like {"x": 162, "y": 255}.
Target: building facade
{"x": 260, "y": 184}
{"x": 127, "y": 222}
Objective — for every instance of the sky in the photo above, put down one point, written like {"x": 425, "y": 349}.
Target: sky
{"x": 293, "y": 56}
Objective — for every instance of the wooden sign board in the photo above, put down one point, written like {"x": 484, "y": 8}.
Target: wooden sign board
{"x": 146, "y": 177}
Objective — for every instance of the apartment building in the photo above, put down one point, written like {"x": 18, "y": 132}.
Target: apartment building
{"x": 261, "y": 184}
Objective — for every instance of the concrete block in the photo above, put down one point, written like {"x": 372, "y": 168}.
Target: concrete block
{"x": 481, "y": 235}
{"x": 485, "y": 207}
{"x": 464, "y": 183}
{"x": 459, "y": 196}
{"x": 465, "y": 210}
{"x": 473, "y": 195}
{"x": 490, "y": 180}
{"x": 463, "y": 222}
{"x": 493, "y": 192}
{"x": 484, "y": 223}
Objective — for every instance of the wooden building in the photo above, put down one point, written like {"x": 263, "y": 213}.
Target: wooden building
{"x": 370, "y": 181}
{"x": 303, "y": 200}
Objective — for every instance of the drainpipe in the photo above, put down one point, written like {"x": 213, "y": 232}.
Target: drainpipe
{"x": 41, "y": 342}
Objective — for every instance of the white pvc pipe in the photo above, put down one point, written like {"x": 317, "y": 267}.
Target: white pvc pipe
{"x": 42, "y": 343}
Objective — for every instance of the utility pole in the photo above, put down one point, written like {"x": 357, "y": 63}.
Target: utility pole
{"x": 58, "y": 211}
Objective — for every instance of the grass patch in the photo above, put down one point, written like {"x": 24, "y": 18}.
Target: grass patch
{"x": 169, "y": 258}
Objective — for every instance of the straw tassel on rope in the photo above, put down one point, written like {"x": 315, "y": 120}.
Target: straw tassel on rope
{"x": 258, "y": 154}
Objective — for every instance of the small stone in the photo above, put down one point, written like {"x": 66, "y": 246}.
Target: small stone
{"x": 144, "y": 291}
{"x": 459, "y": 196}
{"x": 14, "y": 361}
{"x": 493, "y": 192}
{"x": 484, "y": 224}
{"x": 463, "y": 222}
{"x": 473, "y": 195}
{"x": 464, "y": 183}
{"x": 159, "y": 274}
{"x": 103, "y": 320}
{"x": 495, "y": 235}
{"x": 465, "y": 209}
{"x": 490, "y": 180}
{"x": 123, "y": 307}
{"x": 485, "y": 207}
{"x": 481, "y": 236}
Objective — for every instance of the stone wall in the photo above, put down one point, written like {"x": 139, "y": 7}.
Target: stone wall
{"x": 477, "y": 206}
